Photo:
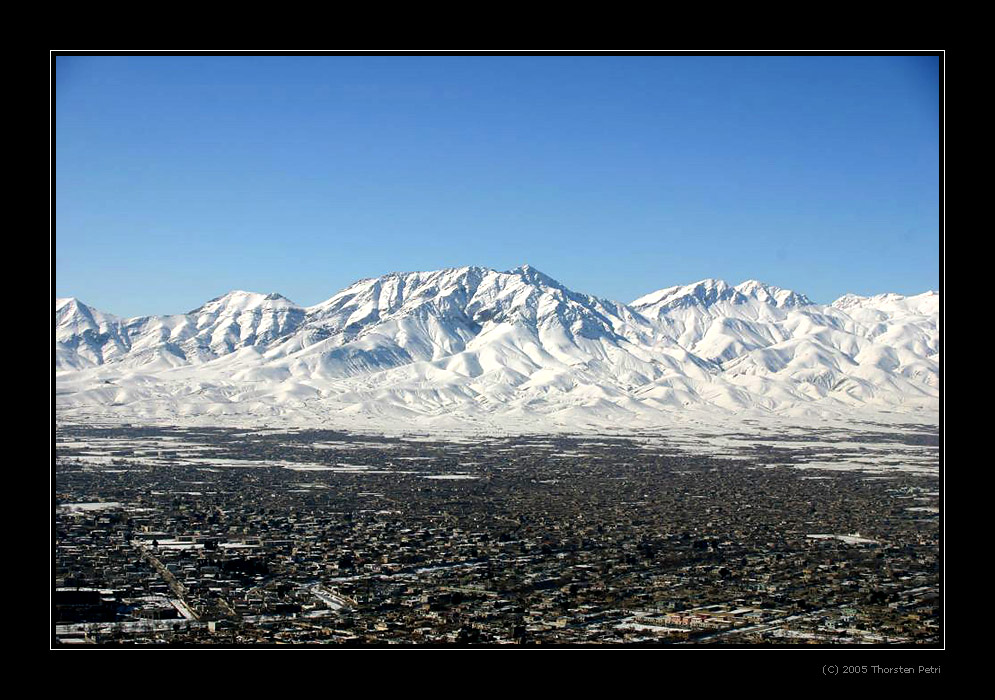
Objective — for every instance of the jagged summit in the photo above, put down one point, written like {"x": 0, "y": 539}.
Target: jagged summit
{"x": 70, "y": 311}
{"x": 63, "y": 302}
{"x": 890, "y": 303}
{"x": 535, "y": 276}
{"x": 770, "y": 294}
{"x": 704, "y": 291}
{"x": 711, "y": 291}
{"x": 85, "y": 336}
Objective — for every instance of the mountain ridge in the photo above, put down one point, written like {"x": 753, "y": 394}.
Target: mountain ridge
{"x": 471, "y": 342}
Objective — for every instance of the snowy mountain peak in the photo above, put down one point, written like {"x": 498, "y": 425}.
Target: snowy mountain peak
{"x": 927, "y": 303}
{"x": 704, "y": 292}
{"x": 770, "y": 294}
{"x": 848, "y": 300}
{"x": 63, "y": 302}
{"x": 85, "y": 336}
{"x": 73, "y": 315}
{"x": 535, "y": 276}
{"x": 710, "y": 291}
{"x": 238, "y": 300}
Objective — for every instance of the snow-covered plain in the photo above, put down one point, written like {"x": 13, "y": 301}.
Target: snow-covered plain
{"x": 471, "y": 351}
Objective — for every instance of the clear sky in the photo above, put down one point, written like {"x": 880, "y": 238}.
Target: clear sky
{"x": 180, "y": 178}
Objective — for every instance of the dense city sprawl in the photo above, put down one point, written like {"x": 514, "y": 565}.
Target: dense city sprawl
{"x": 200, "y": 536}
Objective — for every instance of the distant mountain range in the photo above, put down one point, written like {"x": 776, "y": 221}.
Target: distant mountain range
{"x": 471, "y": 345}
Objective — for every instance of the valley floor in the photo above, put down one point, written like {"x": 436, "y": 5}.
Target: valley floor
{"x": 706, "y": 535}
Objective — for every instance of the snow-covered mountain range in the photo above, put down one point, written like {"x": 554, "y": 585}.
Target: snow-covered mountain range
{"x": 474, "y": 346}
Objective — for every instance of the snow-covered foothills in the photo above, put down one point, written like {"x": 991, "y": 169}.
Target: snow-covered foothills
{"x": 475, "y": 350}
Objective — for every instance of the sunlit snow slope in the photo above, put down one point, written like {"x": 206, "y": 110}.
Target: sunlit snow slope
{"x": 473, "y": 346}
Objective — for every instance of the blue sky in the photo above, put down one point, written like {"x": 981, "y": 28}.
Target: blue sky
{"x": 180, "y": 178}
